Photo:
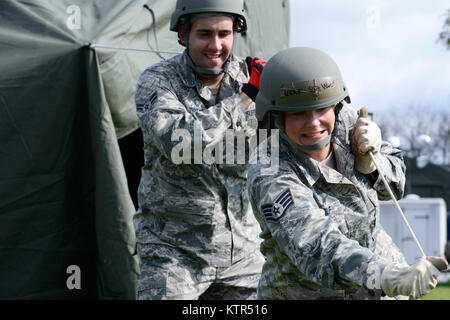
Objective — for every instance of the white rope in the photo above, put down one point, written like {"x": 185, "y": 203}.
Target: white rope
{"x": 100, "y": 46}
{"x": 396, "y": 204}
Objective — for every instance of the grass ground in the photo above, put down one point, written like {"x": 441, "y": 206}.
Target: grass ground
{"x": 441, "y": 292}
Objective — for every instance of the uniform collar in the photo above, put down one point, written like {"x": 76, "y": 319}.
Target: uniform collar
{"x": 308, "y": 167}
{"x": 186, "y": 74}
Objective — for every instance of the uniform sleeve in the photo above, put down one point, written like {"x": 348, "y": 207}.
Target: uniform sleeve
{"x": 309, "y": 237}
{"x": 393, "y": 167}
{"x": 167, "y": 122}
{"x": 391, "y": 160}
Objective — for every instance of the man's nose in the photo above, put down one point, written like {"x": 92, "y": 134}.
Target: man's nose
{"x": 215, "y": 43}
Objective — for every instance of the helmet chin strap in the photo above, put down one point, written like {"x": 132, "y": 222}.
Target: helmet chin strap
{"x": 208, "y": 73}
{"x": 310, "y": 147}
{"x": 316, "y": 146}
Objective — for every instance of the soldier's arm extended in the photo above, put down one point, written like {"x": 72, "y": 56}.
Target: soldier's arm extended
{"x": 160, "y": 113}
{"x": 311, "y": 238}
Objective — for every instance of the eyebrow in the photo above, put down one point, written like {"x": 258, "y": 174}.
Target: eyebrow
{"x": 210, "y": 30}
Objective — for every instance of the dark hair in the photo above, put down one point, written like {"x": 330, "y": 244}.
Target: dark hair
{"x": 185, "y": 22}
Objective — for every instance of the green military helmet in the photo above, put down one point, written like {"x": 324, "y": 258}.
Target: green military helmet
{"x": 187, "y": 7}
{"x": 299, "y": 79}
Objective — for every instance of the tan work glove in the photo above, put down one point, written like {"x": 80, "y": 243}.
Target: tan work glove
{"x": 366, "y": 136}
{"x": 415, "y": 280}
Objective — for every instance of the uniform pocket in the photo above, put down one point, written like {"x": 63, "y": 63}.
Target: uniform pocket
{"x": 152, "y": 282}
{"x": 152, "y": 287}
{"x": 188, "y": 209}
{"x": 336, "y": 212}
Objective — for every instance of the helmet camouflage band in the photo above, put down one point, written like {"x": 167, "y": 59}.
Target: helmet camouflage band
{"x": 300, "y": 79}
{"x": 188, "y": 7}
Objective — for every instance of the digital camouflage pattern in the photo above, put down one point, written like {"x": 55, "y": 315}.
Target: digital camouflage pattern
{"x": 171, "y": 273}
{"x": 321, "y": 230}
{"x": 201, "y": 210}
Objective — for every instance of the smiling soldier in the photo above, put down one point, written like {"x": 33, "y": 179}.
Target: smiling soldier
{"x": 319, "y": 212}
{"x": 197, "y": 237}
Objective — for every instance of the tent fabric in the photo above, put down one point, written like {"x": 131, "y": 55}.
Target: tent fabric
{"x": 268, "y": 28}
{"x": 64, "y": 199}
{"x": 65, "y": 102}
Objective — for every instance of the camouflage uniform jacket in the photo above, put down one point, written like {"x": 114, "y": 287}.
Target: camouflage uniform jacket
{"x": 198, "y": 207}
{"x": 321, "y": 230}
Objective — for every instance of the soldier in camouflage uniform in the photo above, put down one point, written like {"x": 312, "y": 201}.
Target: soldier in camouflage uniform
{"x": 319, "y": 210}
{"x": 197, "y": 237}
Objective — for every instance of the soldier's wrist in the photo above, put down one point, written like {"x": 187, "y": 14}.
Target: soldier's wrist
{"x": 246, "y": 100}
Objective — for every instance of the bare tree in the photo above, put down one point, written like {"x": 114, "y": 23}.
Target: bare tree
{"x": 443, "y": 137}
{"x": 413, "y": 126}
{"x": 444, "y": 35}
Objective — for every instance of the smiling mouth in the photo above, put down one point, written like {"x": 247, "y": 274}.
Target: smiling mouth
{"x": 213, "y": 56}
{"x": 314, "y": 134}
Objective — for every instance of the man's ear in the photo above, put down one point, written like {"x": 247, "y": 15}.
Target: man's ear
{"x": 182, "y": 35}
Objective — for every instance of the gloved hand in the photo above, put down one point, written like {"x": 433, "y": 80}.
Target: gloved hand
{"x": 366, "y": 136}
{"x": 440, "y": 263}
{"x": 414, "y": 281}
{"x": 255, "y": 67}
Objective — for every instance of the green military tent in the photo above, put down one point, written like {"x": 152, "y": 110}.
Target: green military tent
{"x": 67, "y": 82}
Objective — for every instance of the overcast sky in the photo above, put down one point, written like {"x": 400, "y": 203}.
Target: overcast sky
{"x": 387, "y": 50}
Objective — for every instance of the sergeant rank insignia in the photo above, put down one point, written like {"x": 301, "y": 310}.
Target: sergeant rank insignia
{"x": 274, "y": 212}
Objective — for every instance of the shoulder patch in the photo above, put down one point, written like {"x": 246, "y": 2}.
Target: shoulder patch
{"x": 142, "y": 108}
{"x": 276, "y": 210}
